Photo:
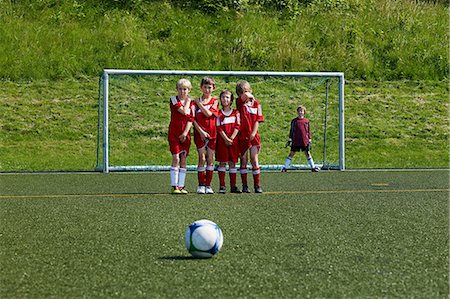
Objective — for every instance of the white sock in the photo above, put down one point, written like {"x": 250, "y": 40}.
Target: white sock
{"x": 311, "y": 162}
{"x": 181, "y": 177}
{"x": 174, "y": 176}
{"x": 288, "y": 161}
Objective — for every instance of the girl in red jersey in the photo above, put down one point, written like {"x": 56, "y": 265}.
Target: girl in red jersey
{"x": 228, "y": 123}
{"x": 249, "y": 140}
{"x": 181, "y": 118}
{"x": 206, "y": 108}
{"x": 300, "y": 139}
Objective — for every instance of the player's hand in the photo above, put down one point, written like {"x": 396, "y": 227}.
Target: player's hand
{"x": 182, "y": 138}
{"x": 288, "y": 143}
{"x": 252, "y": 136}
{"x": 228, "y": 141}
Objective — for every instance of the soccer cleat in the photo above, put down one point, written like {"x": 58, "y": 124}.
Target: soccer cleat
{"x": 209, "y": 190}
{"x": 222, "y": 189}
{"x": 283, "y": 169}
{"x": 183, "y": 191}
{"x": 258, "y": 189}
{"x": 245, "y": 189}
{"x": 176, "y": 190}
{"x": 201, "y": 190}
{"x": 315, "y": 169}
{"x": 235, "y": 189}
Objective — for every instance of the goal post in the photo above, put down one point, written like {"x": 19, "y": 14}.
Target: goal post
{"x": 333, "y": 121}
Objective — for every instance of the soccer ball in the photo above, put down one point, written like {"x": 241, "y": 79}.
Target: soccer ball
{"x": 203, "y": 239}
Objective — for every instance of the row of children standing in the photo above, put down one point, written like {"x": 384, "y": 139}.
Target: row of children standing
{"x": 224, "y": 135}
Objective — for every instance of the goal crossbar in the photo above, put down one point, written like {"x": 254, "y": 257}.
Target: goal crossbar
{"x": 108, "y": 72}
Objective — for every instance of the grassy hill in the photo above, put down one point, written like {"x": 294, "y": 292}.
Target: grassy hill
{"x": 393, "y": 54}
{"x": 366, "y": 39}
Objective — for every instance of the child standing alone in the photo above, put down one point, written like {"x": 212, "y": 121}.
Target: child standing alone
{"x": 206, "y": 108}
{"x": 228, "y": 123}
{"x": 300, "y": 139}
{"x": 181, "y": 118}
{"x": 249, "y": 140}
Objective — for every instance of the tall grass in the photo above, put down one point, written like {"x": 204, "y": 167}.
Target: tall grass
{"x": 366, "y": 39}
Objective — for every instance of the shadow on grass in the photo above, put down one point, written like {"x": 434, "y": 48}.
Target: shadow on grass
{"x": 178, "y": 258}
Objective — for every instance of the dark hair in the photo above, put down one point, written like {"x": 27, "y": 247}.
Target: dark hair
{"x": 227, "y": 91}
{"x": 207, "y": 81}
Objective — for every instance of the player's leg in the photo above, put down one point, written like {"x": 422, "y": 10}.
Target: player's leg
{"x": 182, "y": 172}
{"x": 209, "y": 170}
{"x": 201, "y": 175}
{"x": 233, "y": 173}
{"x": 256, "y": 171}
{"x": 174, "y": 173}
{"x": 288, "y": 161}
{"x": 221, "y": 172}
{"x": 311, "y": 161}
{"x": 243, "y": 171}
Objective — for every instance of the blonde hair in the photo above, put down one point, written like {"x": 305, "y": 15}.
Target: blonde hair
{"x": 243, "y": 86}
{"x": 184, "y": 83}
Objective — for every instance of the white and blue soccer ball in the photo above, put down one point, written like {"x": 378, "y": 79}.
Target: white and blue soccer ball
{"x": 203, "y": 239}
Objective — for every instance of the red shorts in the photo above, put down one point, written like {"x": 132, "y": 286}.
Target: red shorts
{"x": 176, "y": 147}
{"x": 226, "y": 153}
{"x": 209, "y": 143}
{"x": 245, "y": 143}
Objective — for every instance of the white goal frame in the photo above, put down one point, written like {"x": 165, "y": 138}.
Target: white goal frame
{"x": 106, "y": 168}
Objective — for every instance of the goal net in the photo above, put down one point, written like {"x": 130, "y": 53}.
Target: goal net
{"x": 134, "y": 114}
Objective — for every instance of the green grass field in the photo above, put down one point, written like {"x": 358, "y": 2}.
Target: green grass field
{"x": 354, "y": 234}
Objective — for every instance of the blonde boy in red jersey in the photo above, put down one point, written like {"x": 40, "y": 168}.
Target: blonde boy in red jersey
{"x": 249, "y": 140}
{"x": 181, "y": 119}
{"x": 206, "y": 109}
{"x": 228, "y": 123}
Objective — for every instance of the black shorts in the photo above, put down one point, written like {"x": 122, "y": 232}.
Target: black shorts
{"x": 299, "y": 148}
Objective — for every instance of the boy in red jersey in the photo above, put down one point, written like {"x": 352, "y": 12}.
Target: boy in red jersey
{"x": 249, "y": 140}
{"x": 300, "y": 139}
{"x": 181, "y": 118}
{"x": 206, "y": 108}
{"x": 228, "y": 123}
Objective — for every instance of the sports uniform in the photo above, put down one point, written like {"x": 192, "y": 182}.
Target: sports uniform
{"x": 251, "y": 113}
{"x": 208, "y": 124}
{"x": 300, "y": 134}
{"x": 227, "y": 122}
{"x": 177, "y": 125}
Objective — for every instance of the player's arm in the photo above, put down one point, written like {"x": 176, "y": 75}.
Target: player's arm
{"x": 291, "y": 134}
{"x": 185, "y": 133}
{"x": 203, "y": 133}
{"x": 203, "y": 109}
{"x": 237, "y": 126}
{"x": 256, "y": 125}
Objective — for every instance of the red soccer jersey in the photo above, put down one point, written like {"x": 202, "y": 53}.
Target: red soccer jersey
{"x": 177, "y": 125}
{"x": 227, "y": 123}
{"x": 208, "y": 124}
{"x": 300, "y": 132}
{"x": 251, "y": 113}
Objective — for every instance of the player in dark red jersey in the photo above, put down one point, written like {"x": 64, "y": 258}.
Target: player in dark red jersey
{"x": 206, "y": 109}
{"x": 300, "y": 139}
{"x": 249, "y": 140}
{"x": 181, "y": 118}
{"x": 227, "y": 150}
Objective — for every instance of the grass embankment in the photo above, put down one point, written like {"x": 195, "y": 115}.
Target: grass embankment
{"x": 373, "y": 40}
